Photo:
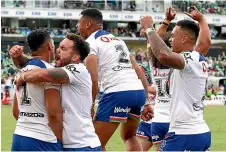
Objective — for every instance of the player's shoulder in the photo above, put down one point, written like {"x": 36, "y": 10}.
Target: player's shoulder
{"x": 78, "y": 68}
{"x": 35, "y": 62}
{"x": 193, "y": 56}
{"x": 100, "y": 36}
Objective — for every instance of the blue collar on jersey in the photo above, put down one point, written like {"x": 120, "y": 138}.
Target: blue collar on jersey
{"x": 100, "y": 33}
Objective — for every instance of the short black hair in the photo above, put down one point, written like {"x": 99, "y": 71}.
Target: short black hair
{"x": 80, "y": 45}
{"x": 36, "y": 38}
{"x": 94, "y": 14}
{"x": 189, "y": 26}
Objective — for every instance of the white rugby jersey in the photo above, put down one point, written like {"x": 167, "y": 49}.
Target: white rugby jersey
{"x": 187, "y": 89}
{"x": 33, "y": 118}
{"x": 78, "y": 129}
{"x": 114, "y": 66}
{"x": 160, "y": 79}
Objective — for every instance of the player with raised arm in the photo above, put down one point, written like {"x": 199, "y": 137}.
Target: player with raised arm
{"x": 159, "y": 125}
{"x": 110, "y": 63}
{"x": 78, "y": 133}
{"x": 188, "y": 130}
{"x": 39, "y": 119}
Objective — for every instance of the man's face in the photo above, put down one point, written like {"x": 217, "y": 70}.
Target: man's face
{"x": 83, "y": 26}
{"x": 176, "y": 40}
{"x": 65, "y": 52}
{"x": 52, "y": 50}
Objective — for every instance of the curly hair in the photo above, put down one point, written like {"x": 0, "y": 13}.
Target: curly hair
{"x": 36, "y": 38}
{"x": 80, "y": 45}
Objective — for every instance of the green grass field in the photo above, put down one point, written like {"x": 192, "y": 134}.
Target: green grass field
{"x": 215, "y": 117}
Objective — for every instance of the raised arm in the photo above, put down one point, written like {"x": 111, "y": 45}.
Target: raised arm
{"x": 19, "y": 59}
{"x": 170, "y": 14}
{"x": 204, "y": 39}
{"x": 161, "y": 51}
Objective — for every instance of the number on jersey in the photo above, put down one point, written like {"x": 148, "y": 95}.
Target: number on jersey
{"x": 25, "y": 100}
{"x": 163, "y": 87}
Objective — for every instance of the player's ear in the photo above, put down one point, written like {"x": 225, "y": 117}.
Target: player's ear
{"x": 75, "y": 58}
{"x": 184, "y": 39}
{"x": 49, "y": 47}
{"x": 88, "y": 24}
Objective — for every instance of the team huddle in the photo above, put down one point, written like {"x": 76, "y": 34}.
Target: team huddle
{"x": 54, "y": 104}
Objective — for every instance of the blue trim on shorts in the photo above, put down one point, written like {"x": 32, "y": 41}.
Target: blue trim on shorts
{"x": 22, "y": 143}
{"x": 194, "y": 142}
{"x": 84, "y": 149}
{"x": 118, "y": 106}
{"x": 144, "y": 131}
{"x": 158, "y": 132}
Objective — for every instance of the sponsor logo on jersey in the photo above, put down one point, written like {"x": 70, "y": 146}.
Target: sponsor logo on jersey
{"x": 30, "y": 114}
{"x": 119, "y": 67}
{"x": 119, "y": 109}
{"x": 163, "y": 101}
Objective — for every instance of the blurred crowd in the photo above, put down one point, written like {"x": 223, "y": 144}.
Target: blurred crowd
{"x": 124, "y": 31}
{"x": 217, "y": 65}
{"x": 206, "y": 7}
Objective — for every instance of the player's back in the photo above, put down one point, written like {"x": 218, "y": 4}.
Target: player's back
{"x": 33, "y": 117}
{"x": 115, "y": 69}
{"x": 76, "y": 102}
{"x": 187, "y": 89}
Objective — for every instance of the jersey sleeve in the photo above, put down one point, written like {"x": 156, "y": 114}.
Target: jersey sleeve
{"x": 189, "y": 60}
{"x": 73, "y": 73}
{"x": 94, "y": 50}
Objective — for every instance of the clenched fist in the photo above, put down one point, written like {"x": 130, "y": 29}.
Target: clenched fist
{"x": 16, "y": 51}
{"x": 146, "y": 22}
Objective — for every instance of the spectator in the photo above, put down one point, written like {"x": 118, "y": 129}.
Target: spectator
{"x": 221, "y": 89}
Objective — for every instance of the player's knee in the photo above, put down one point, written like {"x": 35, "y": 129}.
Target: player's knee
{"x": 128, "y": 135}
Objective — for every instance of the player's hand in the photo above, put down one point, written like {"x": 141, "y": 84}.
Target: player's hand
{"x": 147, "y": 22}
{"x": 170, "y": 13}
{"x": 147, "y": 113}
{"x": 19, "y": 80}
{"x": 195, "y": 14}
{"x": 16, "y": 51}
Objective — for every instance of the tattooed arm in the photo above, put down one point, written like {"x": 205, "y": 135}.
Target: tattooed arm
{"x": 160, "y": 49}
{"x": 54, "y": 75}
{"x": 170, "y": 14}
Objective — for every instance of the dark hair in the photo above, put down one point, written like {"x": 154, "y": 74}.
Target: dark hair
{"x": 94, "y": 14}
{"x": 36, "y": 38}
{"x": 80, "y": 45}
{"x": 190, "y": 26}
